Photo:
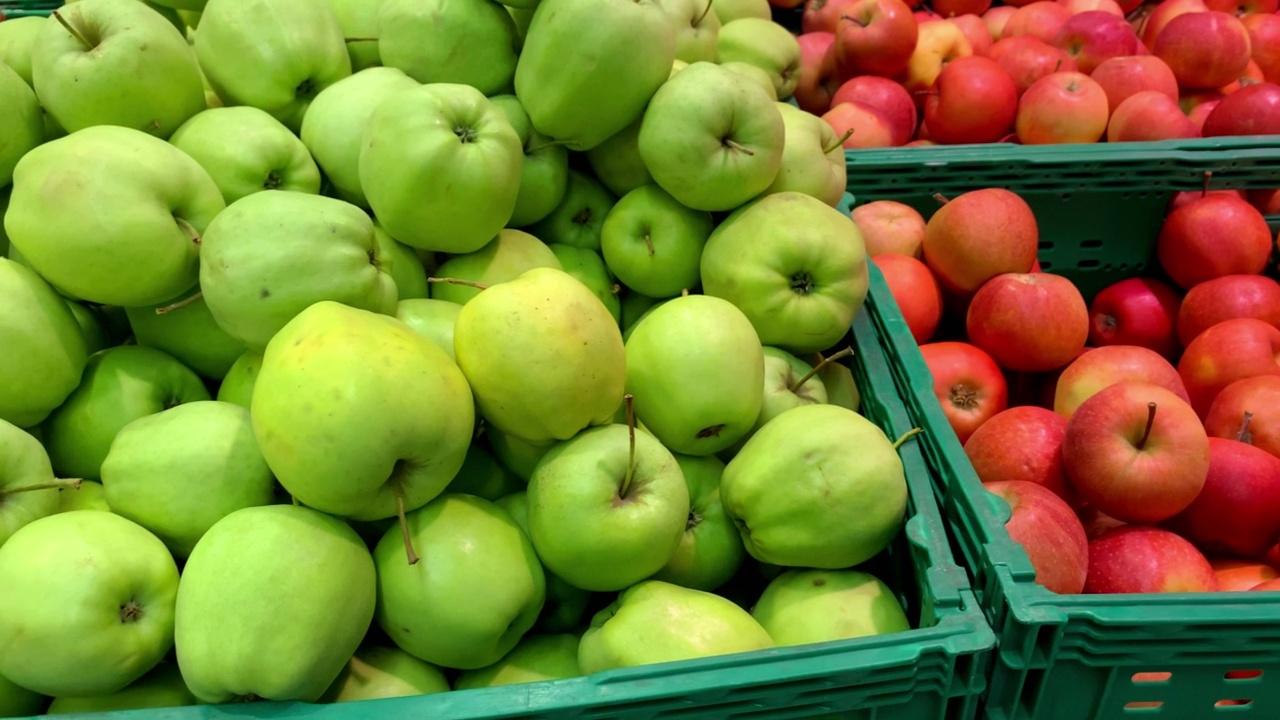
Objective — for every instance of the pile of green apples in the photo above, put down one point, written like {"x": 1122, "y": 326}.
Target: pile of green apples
{"x": 353, "y": 350}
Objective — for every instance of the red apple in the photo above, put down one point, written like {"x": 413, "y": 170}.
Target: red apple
{"x": 915, "y": 291}
{"x": 1268, "y": 586}
{"x": 956, "y": 8}
{"x": 1136, "y": 559}
{"x": 890, "y": 228}
{"x": 967, "y": 383}
{"x": 972, "y": 101}
{"x": 1251, "y": 110}
{"x": 823, "y": 15}
{"x": 1136, "y": 311}
{"x": 1163, "y": 13}
{"x": 1100, "y": 368}
{"x": 1030, "y": 322}
{"x": 1124, "y": 77}
{"x": 1204, "y": 50}
{"x": 869, "y": 129}
{"x": 1213, "y": 236}
{"x": 813, "y": 92}
{"x": 1149, "y": 116}
{"x": 1042, "y": 19}
{"x": 1238, "y": 510}
{"x": 1264, "y": 43}
{"x": 1050, "y": 533}
{"x": 1241, "y": 8}
{"x": 1187, "y": 197}
{"x": 1199, "y": 104}
{"x": 1248, "y": 410}
{"x": 1267, "y": 201}
{"x": 1063, "y": 107}
{"x": 1110, "y": 7}
{"x": 1094, "y": 36}
{"x": 996, "y": 18}
{"x": 975, "y": 30}
{"x": 1235, "y": 575}
{"x": 1096, "y": 523}
{"x": 978, "y": 235}
{"x": 894, "y": 103}
{"x": 874, "y": 37}
{"x": 1136, "y": 452}
{"x": 1229, "y": 351}
{"x": 940, "y": 42}
{"x": 924, "y": 15}
{"x": 1022, "y": 444}
{"x": 1224, "y": 298}
{"x": 1027, "y": 59}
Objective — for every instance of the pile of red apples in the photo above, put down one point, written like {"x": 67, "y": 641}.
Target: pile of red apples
{"x": 896, "y": 73}
{"x": 1136, "y": 435}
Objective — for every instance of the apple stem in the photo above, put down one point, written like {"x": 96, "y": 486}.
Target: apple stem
{"x": 166, "y": 309}
{"x": 907, "y": 436}
{"x": 58, "y": 484}
{"x": 942, "y": 199}
{"x": 629, "y": 399}
{"x": 1204, "y": 187}
{"x": 853, "y": 20}
{"x": 847, "y": 134}
{"x": 189, "y": 229}
{"x": 793, "y": 387}
{"x": 294, "y": 501}
{"x": 398, "y": 491}
{"x": 648, "y": 243}
{"x": 1058, "y": 67}
{"x": 75, "y": 33}
{"x": 734, "y": 144}
{"x": 360, "y": 39}
{"x": 1244, "y": 435}
{"x": 684, "y": 292}
{"x": 1151, "y": 420}
{"x": 459, "y": 281}
{"x": 705, "y": 10}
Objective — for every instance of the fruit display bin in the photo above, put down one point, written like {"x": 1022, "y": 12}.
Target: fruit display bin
{"x": 27, "y": 8}
{"x": 1083, "y": 657}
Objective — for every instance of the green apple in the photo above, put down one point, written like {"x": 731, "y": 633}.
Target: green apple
{"x": 181, "y": 470}
{"x": 813, "y": 159}
{"x": 359, "y": 22}
{"x": 120, "y": 385}
{"x": 237, "y": 385}
{"x": 44, "y": 352}
{"x": 634, "y": 306}
{"x": 16, "y": 701}
{"x": 28, "y": 490}
{"x": 757, "y": 77}
{"x": 272, "y": 254}
{"x": 604, "y": 514}
{"x": 378, "y": 672}
{"x": 794, "y": 265}
{"x": 88, "y": 68}
{"x": 630, "y": 44}
{"x": 233, "y": 643}
{"x": 89, "y": 495}
{"x": 589, "y": 268}
{"x": 245, "y": 151}
{"x": 18, "y": 36}
{"x": 402, "y": 263}
{"x": 653, "y": 244}
{"x": 696, "y": 28}
{"x": 398, "y": 413}
{"x": 542, "y": 354}
{"x": 838, "y": 380}
{"x": 729, "y": 10}
{"x": 695, "y": 367}
{"x": 91, "y": 326}
{"x": 440, "y": 166}
{"x": 655, "y": 622}
{"x": 711, "y": 550}
{"x": 275, "y": 55}
{"x": 124, "y": 229}
{"x": 21, "y": 126}
{"x": 710, "y": 140}
{"x": 334, "y": 124}
{"x": 616, "y": 161}
{"x": 162, "y": 687}
{"x": 812, "y": 606}
{"x": 477, "y": 590}
{"x": 505, "y": 257}
{"x": 516, "y": 454}
{"x": 189, "y": 9}
{"x": 522, "y": 16}
{"x": 432, "y": 319}
{"x": 536, "y": 658}
{"x": 578, "y": 218}
{"x": 472, "y": 42}
{"x": 789, "y": 382}
{"x": 544, "y": 175}
{"x": 800, "y": 498}
{"x": 86, "y": 603}
{"x": 765, "y": 44}
{"x": 483, "y": 476}
{"x": 566, "y": 605}
{"x": 185, "y": 329}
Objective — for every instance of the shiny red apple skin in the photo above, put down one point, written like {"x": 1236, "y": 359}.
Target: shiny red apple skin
{"x": 1251, "y": 110}
{"x": 1027, "y": 59}
{"x": 1237, "y": 513}
{"x": 1229, "y": 351}
{"x": 1029, "y": 322}
{"x": 1136, "y": 311}
{"x": 1050, "y": 533}
{"x": 893, "y": 102}
{"x": 1205, "y": 50}
{"x": 1021, "y": 444}
{"x": 1226, "y": 298}
{"x": 1123, "y": 77}
{"x": 1138, "y": 559}
{"x": 973, "y": 101}
{"x": 980, "y": 234}
{"x": 1103, "y": 367}
{"x": 1257, "y": 399}
{"x": 1211, "y": 237}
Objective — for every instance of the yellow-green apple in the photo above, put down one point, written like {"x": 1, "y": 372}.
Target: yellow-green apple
{"x": 161, "y": 687}
{"x": 1021, "y": 444}
{"x": 1042, "y": 19}
{"x": 940, "y": 42}
{"x": 973, "y": 100}
{"x": 968, "y": 384}
{"x": 1137, "y": 452}
{"x": 1204, "y": 50}
{"x": 1105, "y": 366}
{"x": 980, "y": 234}
{"x": 45, "y": 351}
{"x": 895, "y": 105}
{"x": 1251, "y": 110}
{"x": 817, "y": 79}
{"x": 1213, "y": 236}
{"x": 766, "y": 45}
{"x": 1147, "y": 117}
{"x": 711, "y": 551}
{"x": 823, "y": 15}
{"x": 23, "y": 121}
{"x": 997, "y": 18}
{"x": 1227, "y": 297}
{"x": 653, "y": 244}
{"x": 730, "y": 10}
{"x": 377, "y": 672}
{"x": 237, "y": 386}
{"x": 1048, "y": 530}
{"x": 756, "y": 76}
{"x": 1028, "y": 58}
{"x": 1136, "y": 311}
{"x": 1094, "y": 36}
{"x": 874, "y": 37}
{"x": 812, "y": 606}
{"x": 1062, "y": 107}
{"x": 975, "y": 31}
{"x": 915, "y": 291}
{"x": 17, "y": 39}
{"x": 1138, "y": 559}
{"x": 1237, "y": 512}
{"x": 1123, "y": 77}
{"x": 1231, "y": 350}
{"x": 813, "y": 160}
{"x": 1029, "y": 322}
{"x": 473, "y": 42}
{"x": 1248, "y": 410}
{"x": 890, "y": 228}
{"x": 1264, "y": 43}
{"x": 1236, "y": 575}
{"x": 1163, "y": 13}
{"x": 861, "y": 125}
{"x": 506, "y": 257}
{"x": 535, "y": 658}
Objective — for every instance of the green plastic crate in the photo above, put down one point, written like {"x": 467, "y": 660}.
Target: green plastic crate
{"x": 1089, "y": 657}
{"x": 10, "y": 9}
{"x": 936, "y": 672}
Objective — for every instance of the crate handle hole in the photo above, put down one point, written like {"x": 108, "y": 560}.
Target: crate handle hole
{"x": 1242, "y": 703}
{"x": 1144, "y": 707}
{"x": 1091, "y": 243}
{"x": 1243, "y": 675}
{"x": 1144, "y": 678}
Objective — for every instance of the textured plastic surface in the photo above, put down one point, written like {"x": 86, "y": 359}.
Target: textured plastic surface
{"x": 24, "y": 8}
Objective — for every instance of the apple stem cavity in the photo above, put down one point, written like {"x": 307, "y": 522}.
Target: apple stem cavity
{"x": 459, "y": 281}
{"x": 825, "y": 361}
{"x": 58, "y": 484}
{"x": 942, "y": 199}
{"x": 398, "y": 491}
{"x": 1244, "y": 435}
{"x": 906, "y": 436}
{"x": 629, "y": 399}
{"x": 838, "y": 143}
{"x": 75, "y": 33}
{"x": 735, "y": 145}
{"x": 166, "y": 309}
{"x": 853, "y": 19}
{"x": 1151, "y": 420}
